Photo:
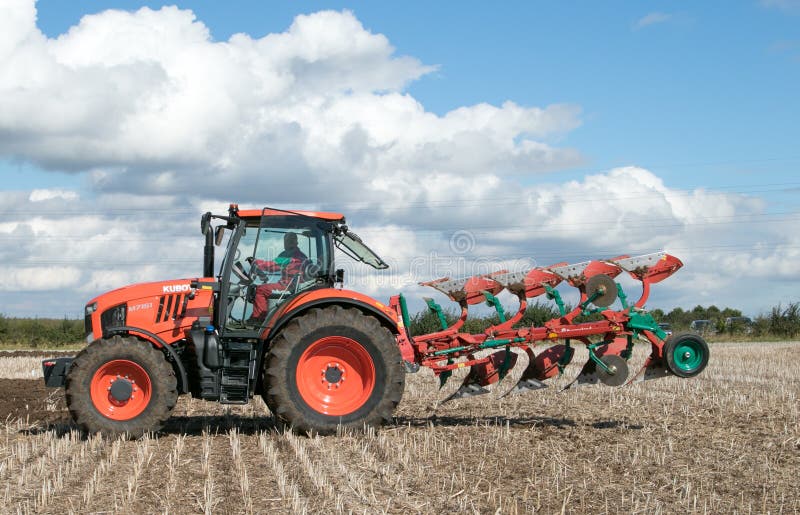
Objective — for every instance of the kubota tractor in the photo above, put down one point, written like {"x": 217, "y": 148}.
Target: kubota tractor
{"x": 274, "y": 323}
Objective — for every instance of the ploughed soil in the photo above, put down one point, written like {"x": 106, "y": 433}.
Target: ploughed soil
{"x": 31, "y": 401}
{"x": 23, "y": 353}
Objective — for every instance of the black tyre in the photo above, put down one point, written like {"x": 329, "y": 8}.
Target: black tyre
{"x": 686, "y": 354}
{"x": 333, "y": 367}
{"x": 120, "y": 385}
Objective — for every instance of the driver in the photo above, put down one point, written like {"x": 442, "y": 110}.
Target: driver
{"x": 289, "y": 262}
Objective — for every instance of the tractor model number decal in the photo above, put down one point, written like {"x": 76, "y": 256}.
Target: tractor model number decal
{"x": 139, "y": 307}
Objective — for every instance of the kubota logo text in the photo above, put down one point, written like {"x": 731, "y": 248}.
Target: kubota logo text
{"x": 175, "y": 288}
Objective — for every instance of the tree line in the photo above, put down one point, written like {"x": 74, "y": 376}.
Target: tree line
{"x": 779, "y": 322}
{"x": 40, "y": 332}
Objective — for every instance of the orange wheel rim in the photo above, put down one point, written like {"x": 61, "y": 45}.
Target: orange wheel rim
{"x": 335, "y": 375}
{"x": 121, "y": 389}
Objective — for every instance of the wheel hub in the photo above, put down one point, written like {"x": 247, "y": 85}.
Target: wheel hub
{"x": 121, "y": 389}
{"x": 333, "y": 374}
{"x": 688, "y": 356}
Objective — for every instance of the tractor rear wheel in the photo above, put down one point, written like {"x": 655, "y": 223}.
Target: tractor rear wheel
{"x": 686, "y": 354}
{"x": 333, "y": 367}
{"x": 120, "y": 385}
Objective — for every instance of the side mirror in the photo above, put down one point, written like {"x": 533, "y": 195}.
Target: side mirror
{"x": 339, "y": 277}
{"x": 219, "y": 235}
{"x": 205, "y": 223}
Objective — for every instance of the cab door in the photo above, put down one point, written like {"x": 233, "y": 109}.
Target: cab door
{"x": 265, "y": 271}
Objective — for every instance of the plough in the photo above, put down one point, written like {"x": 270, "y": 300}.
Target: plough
{"x": 608, "y": 340}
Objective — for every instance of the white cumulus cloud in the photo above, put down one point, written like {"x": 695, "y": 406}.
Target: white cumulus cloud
{"x": 30, "y": 279}
{"x": 164, "y": 123}
{"x": 47, "y": 194}
{"x": 651, "y": 19}
{"x": 151, "y": 104}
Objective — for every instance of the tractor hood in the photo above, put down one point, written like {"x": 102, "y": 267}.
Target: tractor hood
{"x": 165, "y": 308}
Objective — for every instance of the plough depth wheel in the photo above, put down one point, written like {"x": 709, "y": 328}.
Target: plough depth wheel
{"x": 686, "y": 354}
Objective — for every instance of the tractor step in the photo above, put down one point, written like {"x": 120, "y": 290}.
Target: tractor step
{"x": 238, "y": 360}
{"x": 227, "y": 369}
{"x": 234, "y": 387}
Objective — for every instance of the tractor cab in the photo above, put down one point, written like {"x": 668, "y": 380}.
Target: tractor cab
{"x": 272, "y": 256}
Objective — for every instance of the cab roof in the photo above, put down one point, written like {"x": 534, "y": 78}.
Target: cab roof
{"x": 322, "y": 215}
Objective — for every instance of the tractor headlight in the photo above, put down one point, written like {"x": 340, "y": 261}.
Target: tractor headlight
{"x": 90, "y": 308}
{"x": 113, "y": 317}
{"x": 87, "y": 320}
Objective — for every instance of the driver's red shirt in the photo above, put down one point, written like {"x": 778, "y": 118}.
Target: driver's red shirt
{"x": 296, "y": 261}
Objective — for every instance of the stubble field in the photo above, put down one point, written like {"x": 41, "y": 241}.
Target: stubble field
{"x": 726, "y": 441}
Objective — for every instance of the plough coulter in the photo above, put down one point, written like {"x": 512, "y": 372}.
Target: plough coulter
{"x": 274, "y": 320}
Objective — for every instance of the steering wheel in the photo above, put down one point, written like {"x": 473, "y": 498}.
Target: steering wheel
{"x": 238, "y": 271}
{"x": 311, "y": 269}
{"x": 256, "y": 272}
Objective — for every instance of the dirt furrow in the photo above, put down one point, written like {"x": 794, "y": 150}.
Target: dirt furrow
{"x": 81, "y": 488}
{"x": 221, "y": 492}
{"x": 282, "y": 486}
{"x": 188, "y": 465}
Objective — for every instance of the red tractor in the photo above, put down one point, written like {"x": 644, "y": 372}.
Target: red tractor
{"x": 274, "y": 323}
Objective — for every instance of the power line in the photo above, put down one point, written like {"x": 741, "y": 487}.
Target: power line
{"x": 572, "y": 199}
{"x": 449, "y": 203}
{"x": 647, "y": 223}
{"x": 531, "y": 227}
{"x": 726, "y": 248}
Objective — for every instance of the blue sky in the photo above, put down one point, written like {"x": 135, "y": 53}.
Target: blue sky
{"x": 700, "y": 98}
{"x": 705, "y": 94}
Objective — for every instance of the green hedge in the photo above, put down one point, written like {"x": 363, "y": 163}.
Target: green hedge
{"x": 780, "y": 322}
{"x": 40, "y": 332}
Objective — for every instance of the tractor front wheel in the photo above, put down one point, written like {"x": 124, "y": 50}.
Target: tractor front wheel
{"x": 120, "y": 385}
{"x": 333, "y": 367}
